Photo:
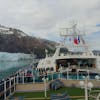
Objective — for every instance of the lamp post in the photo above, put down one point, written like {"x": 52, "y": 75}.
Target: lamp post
{"x": 86, "y": 85}
{"x": 98, "y": 97}
{"x": 45, "y": 87}
{"x": 97, "y": 77}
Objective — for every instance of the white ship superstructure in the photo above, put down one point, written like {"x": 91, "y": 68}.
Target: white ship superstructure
{"x": 74, "y": 55}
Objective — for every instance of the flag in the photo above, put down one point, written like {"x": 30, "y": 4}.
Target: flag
{"x": 75, "y": 41}
{"x": 78, "y": 39}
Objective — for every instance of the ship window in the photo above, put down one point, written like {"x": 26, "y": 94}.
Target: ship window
{"x": 47, "y": 69}
{"x": 51, "y": 69}
{"x": 63, "y": 50}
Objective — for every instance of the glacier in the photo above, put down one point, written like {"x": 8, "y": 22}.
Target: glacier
{"x": 5, "y": 56}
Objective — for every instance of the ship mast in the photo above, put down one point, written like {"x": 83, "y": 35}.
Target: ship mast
{"x": 76, "y": 39}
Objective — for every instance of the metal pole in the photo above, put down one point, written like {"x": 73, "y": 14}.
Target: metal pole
{"x": 86, "y": 90}
{"x": 45, "y": 88}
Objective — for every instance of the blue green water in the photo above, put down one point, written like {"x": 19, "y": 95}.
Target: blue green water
{"x": 9, "y": 68}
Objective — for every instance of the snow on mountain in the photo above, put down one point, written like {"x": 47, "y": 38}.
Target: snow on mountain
{"x": 8, "y": 30}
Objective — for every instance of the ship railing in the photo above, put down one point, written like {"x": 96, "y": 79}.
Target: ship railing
{"x": 69, "y": 54}
{"x": 7, "y": 88}
{"x": 97, "y": 54}
{"x": 75, "y": 55}
{"x": 66, "y": 74}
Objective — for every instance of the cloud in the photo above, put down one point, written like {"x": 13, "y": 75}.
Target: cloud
{"x": 94, "y": 40}
{"x": 43, "y": 18}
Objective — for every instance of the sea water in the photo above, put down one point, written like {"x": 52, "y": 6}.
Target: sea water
{"x": 7, "y": 68}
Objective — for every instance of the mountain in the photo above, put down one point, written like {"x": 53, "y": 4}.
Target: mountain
{"x": 16, "y": 41}
{"x": 6, "y": 30}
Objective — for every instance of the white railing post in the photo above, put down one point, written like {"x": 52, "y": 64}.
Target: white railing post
{"x": 23, "y": 77}
{"x": 77, "y": 75}
{"x": 86, "y": 90}
{"x": 67, "y": 74}
{"x": 52, "y": 75}
{"x": 10, "y": 85}
{"x": 4, "y": 90}
{"x": 33, "y": 76}
{"x": 14, "y": 84}
{"x": 45, "y": 86}
{"x": 17, "y": 79}
{"x": 88, "y": 74}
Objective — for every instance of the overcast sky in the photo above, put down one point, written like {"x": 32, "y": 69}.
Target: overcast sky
{"x": 43, "y": 18}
